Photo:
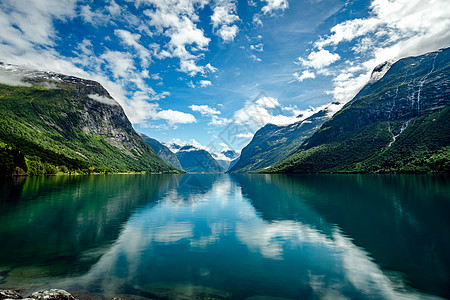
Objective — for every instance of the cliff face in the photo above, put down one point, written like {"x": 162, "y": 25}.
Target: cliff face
{"x": 399, "y": 123}
{"x": 66, "y": 122}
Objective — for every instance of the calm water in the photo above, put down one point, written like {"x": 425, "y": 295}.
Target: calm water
{"x": 227, "y": 236}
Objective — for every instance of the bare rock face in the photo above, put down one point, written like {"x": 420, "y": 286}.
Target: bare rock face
{"x": 10, "y": 294}
{"x": 52, "y": 294}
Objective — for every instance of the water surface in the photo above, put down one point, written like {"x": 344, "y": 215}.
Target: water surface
{"x": 228, "y": 236}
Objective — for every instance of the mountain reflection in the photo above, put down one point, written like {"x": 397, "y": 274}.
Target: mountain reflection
{"x": 249, "y": 235}
{"x": 58, "y": 219}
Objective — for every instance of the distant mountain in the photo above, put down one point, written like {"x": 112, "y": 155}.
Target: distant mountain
{"x": 273, "y": 143}
{"x": 52, "y": 123}
{"x": 225, "y": 158}
{"x": 399, "y": 123}
{"x": 195, "y": 160}
{"x": 164, "y": 152}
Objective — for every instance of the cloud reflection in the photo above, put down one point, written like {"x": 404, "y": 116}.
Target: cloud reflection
{"x": 215, "y": 237}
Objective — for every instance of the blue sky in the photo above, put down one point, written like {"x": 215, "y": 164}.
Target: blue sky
{"x": 211, "y": 72}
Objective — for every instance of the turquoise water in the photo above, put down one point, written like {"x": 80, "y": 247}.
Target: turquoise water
{"x": 228, "y": 236}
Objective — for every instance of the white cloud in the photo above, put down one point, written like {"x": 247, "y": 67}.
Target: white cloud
{"x": 120, "y": 63}
{"x": 103, "y": 99}
{"x": 218, "y": 121}
{"x": 258, "y": 47}
{"x": 244, "y": 135}
{"x": 25, "y": 24}
{"x": 205, "y": 110}
{"x": 273, "y": 5}
{"x": 264, "y": 111}
{"x": 191, "y": 68}
{"x": 205, "y": 83}
{"x": 132, "y": 40}
{"x": 176, "y": 20}
{"x": 228, "y": 33}
{"x": 319, "y": 59}
{"x": 305, "y": 75}
{"x": 255, "y": 58}
{"x": 348, "y": 30}
{"x": 176, "y": 117}
{"x": 197, "y": 145}
{"x": 12, "y": 76}
{"x": 224, "y": 15}
{"x": 268, "y": 102}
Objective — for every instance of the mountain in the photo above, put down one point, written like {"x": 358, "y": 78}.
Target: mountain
{"x": 225, "y": 158}
{"x": 195, "y": 160}
{"x": 399, "y": 123}
{"x": 52, "y": 123}
{"x": 164, "y": 152}
{"x": 273, "y": 143}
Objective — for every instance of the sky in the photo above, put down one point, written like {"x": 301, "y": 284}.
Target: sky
{"x": 212, "y": 72}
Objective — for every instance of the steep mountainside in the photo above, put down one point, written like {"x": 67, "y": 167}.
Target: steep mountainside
{"x": 194, "y": 160}
{"x": 400, "y": 123}
{"x": 53, "y": 123}
{"x": 272, "y": 143}
{"x": 164, "y": 152}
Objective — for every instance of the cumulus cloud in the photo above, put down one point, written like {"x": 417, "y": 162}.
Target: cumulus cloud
{"x": 264, "y": 111}
{"x": 132, "y": 40}
{"x": 228, "y": 33}
{"x": 274, "y": 5}
{"x": 205, "y": 110}
{"x": 176, "y": 20}
{"x": 305, "y": 75}
{"x": 191, "y": 68}
{"x": 121, "y": 64}
{"x": 247, "y": 135}
{"x": 255, "y": 58}
{"x": 205, "y": 83}
{"x": 319, "y": 59}
{"x": 258, "y": 47}
{"x": 224, "y": 16}
{"x": 176, "y": 117}
{"x": 218, "y": 121}
{"x": 213, "y": 113}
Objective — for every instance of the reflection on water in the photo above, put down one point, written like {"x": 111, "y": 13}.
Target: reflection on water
{"x": 229, "y": 236}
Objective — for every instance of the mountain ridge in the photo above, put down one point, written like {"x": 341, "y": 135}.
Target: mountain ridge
{"x": 62, "y": 124}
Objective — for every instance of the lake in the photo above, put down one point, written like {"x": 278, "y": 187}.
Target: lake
{"x": 227, "y": 236}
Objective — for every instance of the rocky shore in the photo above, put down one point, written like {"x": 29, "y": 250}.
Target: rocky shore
{"x": 42, "y": 295}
